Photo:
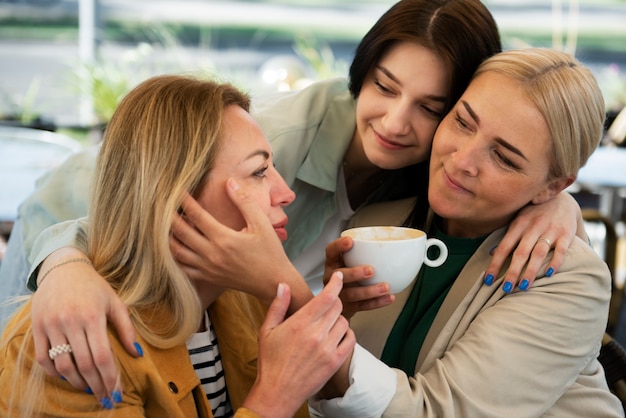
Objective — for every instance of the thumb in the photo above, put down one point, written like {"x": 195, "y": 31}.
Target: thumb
{"x": 278, "y": 309}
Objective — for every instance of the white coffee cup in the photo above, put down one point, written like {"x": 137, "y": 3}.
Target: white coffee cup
{"x": 395, "y": 253}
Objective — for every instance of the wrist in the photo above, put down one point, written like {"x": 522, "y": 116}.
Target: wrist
{"x": 269, "y": 404}
{"x": 300, "y": 291}
{"x": 59, "y": 258}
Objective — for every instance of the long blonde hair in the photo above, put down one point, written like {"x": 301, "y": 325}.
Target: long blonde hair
{"x": 161, "y": 143}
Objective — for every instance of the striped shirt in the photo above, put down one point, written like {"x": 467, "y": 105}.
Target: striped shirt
{"x": 207, "y": 362}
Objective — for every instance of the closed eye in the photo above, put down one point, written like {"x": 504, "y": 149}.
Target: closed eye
{"x": 504, "y": 160}
{"x": 460, "y": 121}
{"x": 382, "y": 88}
{"x": 261, "y": 172}
{"x": 435, "y": 113}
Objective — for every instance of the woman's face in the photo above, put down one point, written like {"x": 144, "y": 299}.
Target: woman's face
{"x": 400, "y": 104}
{"x": 246, "y": 156}
{"x": 490, "y": 158}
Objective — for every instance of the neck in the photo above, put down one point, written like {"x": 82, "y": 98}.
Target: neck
{"x": 462, "y": 229}
{"x": 207, "y": 293}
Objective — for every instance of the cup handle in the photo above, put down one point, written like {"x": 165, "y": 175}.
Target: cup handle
{"x": 443, "y": 253}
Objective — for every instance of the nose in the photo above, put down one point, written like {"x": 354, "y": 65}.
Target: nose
{"x": 280, "y": 193}
{"x": 466, "y": 157}
{"x": 397, "y": 119}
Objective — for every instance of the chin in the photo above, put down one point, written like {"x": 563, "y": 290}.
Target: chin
{"x": 443, "y": 209}
{"x": 384, "y": 160}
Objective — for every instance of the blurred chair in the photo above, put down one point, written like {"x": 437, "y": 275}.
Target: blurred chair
{"x": 613, "y": 359}
{"x": 26, "y": 154}
{"x": 609, "y": 254}
{"x": 612, "y": 354}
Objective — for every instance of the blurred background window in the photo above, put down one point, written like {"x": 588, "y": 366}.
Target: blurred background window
{"x": 66, "y": 63}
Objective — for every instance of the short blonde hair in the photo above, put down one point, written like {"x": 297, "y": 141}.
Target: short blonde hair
{"x": 567, "y": 95}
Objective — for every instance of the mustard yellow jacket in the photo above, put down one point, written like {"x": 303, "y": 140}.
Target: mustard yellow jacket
{"x": 162, "y": 383}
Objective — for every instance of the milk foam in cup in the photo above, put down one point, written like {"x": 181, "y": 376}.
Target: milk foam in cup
{"x": 395, "y": 253}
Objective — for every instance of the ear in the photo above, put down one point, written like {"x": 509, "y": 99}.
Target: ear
{"x": 552, "y": 189}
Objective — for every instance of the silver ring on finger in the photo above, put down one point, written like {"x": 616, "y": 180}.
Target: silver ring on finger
{"x": 545, "y": 240}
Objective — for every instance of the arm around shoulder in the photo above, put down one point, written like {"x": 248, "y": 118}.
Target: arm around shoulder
{"x": 49, "y": 248}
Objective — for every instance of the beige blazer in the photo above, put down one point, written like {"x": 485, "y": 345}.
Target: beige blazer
{"x": 488, "y": 354}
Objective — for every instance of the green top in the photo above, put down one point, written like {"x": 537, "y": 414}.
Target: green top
{"x": 430, "y": 289}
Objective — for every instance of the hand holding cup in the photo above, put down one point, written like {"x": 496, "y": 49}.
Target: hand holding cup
{"x": 395, "y": 253}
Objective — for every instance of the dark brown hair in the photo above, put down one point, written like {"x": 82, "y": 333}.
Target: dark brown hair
{"x": 462, "y": 32}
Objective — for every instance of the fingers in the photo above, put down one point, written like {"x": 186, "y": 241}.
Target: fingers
{"x": 325, "y": 300}
{"x": 346, "y": 346}
{"x": 352, "y": 294}
{"x": 71, "y": 307}
{"x": 198, "y": 216}
{"x": 250, "y": 210}
{"x": 521, "y": 255}
{"x": 86, "y": 355}
{"x": 186, "y": 243}
{"x": 335, "y": 251}
{"x": 329, "y": 313}
{"x": 526, "y": 257}
{"x": 527, "y": 262}
{"x": 538, "y": 255}
{"x": 90, "y": 365}
{"x": 367, "y": 297}
{"x": 558, "y": 256}
{"x": 120, "y": 320}
{"x": 41, "y": 350}
{"x": 278, "y": 309}
{"x": 65, "y": 365}
{"x": 534, "y": 232}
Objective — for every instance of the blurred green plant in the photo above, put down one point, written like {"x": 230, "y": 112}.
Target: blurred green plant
{"x": 320, "y": 57}
{"x": 20, "y": 108}
{"x": 108, "y": 81}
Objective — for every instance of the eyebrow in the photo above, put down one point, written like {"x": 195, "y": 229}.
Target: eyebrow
{"x": 388, "y": 73}
{"x": 499, "y": 140}
{"x": 260, "y": 152}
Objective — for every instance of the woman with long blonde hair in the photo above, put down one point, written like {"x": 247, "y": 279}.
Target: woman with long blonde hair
{"x": 172, "y": 137}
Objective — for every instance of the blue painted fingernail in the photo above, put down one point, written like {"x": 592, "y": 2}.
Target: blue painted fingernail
{"x": 489, "y": 279}
{"x": 550, "y": 272}
{"x": 492, "y": 250}
{"x": 63, "y": 378}
{"x": 508, "y": 286}
{"x": 138, "y": 348}
{"x": 524, "y": 284}
{"x": 106, "y": 403}
{"x": 88, "y": 391}
{"x": 117, "y": 396}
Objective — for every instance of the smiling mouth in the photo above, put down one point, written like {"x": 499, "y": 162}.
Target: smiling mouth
{"x": 388, "y": 144}
{"x": 452, "y": 183}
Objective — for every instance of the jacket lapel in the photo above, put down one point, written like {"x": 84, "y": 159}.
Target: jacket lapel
{"x": 462, "y": 293}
